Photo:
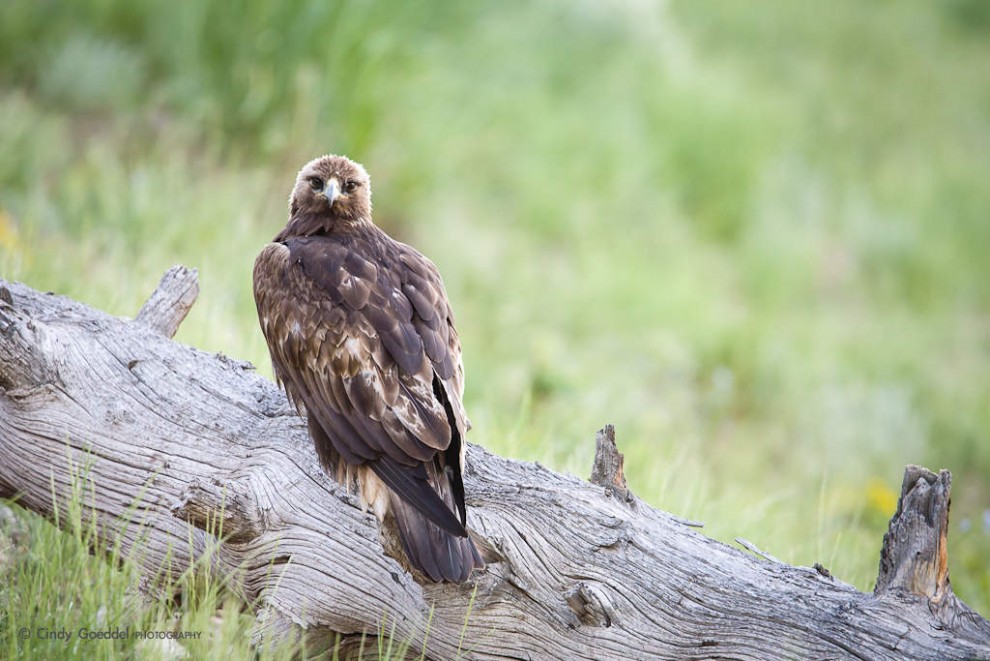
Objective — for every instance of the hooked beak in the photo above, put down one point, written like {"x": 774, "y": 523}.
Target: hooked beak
{"x": 332, "y": 191}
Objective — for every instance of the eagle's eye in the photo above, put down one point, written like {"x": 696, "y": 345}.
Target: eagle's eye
{"x": 350, "y": 185}
{"x": 316, "y": 183}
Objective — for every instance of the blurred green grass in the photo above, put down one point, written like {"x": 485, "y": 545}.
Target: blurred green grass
{"x": 753, "y": 237}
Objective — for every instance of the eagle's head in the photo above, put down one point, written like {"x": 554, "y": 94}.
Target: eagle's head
{"x": 334, "y": 188}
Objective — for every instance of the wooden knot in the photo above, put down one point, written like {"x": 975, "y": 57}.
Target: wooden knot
{"x": 591, "y": 605}
{"x": 29, "y": 357}
{"x": 217, "y": 508}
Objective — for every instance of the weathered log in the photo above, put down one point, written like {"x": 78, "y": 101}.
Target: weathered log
{"x": 175, "y": 437}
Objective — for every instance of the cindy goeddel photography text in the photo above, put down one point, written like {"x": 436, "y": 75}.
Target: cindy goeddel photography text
{"x": 107, "y": 633}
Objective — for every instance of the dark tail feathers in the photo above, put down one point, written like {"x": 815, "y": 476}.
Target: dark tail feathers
{"x": 441, "y": 555}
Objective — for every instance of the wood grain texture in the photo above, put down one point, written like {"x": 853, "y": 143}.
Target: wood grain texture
{"x": 175, "y": 439}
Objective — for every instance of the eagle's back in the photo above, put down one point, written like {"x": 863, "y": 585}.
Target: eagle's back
{"x": 362, "y": 338}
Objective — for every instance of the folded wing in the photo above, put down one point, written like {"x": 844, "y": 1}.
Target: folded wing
{"x": 362, "y": 337}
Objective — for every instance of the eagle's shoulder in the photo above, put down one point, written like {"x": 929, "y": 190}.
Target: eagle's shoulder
{"x": 418, "y": 269}
{"x": 422, "y": 286}
{"x": 271, "y": 260}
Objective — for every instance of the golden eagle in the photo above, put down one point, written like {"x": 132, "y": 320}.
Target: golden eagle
{"x": 362, "y": 339}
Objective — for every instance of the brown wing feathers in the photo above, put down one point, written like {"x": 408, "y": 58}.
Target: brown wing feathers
{"x": 371, "y": 381}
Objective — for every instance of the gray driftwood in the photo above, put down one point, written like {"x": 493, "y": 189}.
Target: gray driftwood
{"x": 175, "y": 437}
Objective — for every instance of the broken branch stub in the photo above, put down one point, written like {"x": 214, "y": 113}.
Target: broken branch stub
{"x": 171, "y": 301}
{"x": 607, "y": 468}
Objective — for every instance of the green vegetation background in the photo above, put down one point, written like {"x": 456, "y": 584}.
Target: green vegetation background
{"x": 753, "y": 237}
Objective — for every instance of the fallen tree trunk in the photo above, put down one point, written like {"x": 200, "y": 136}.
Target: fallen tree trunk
{"x": 177, "y": 437}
